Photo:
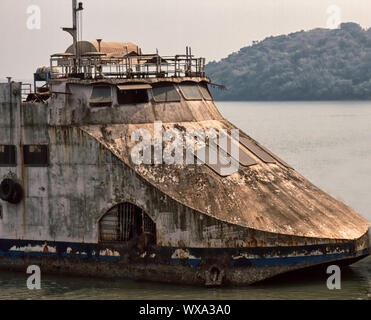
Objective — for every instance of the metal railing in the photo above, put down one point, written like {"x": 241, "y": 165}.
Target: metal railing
{"x": 26, "y": 89}
{"x": 97, "y": 65}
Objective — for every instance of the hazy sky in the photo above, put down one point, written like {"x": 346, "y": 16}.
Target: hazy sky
{"x": 214, "y": 28}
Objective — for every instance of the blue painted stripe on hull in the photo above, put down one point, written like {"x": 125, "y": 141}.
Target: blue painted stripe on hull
{"x": 240, "y": 262}
{"x": 14, "y": 254}
{"x": 290, "y": 261}
{"x": 192, "y": 262}
{"x": 285, "y": 261}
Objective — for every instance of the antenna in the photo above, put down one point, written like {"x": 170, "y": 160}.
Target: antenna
{"x": 99, "y": 41}
{"x": 73, "y": 31}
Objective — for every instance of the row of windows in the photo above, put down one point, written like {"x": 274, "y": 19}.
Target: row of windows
{"x": 133, "y": 94}
{"x": 33, "y": 155}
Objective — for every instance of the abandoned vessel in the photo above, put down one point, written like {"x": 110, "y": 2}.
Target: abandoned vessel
{"x": 74, "y": 201}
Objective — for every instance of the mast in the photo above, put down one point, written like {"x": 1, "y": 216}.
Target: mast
{"x": 74, "y": 32}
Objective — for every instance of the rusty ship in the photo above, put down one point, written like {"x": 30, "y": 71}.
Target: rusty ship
{"x": 74, "y": 202}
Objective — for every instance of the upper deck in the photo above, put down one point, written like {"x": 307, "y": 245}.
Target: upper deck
{"x": 98, "y": 60}
{"x": 113, "y": 63}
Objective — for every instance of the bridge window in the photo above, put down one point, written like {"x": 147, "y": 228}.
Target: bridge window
{"x": 205, "y": 92}
{"x": 7, "y": 156}
{"x": 100, "y": 96}
{"x": 190, "y": 91}
{"x": 132, "y": 93}
{"x": 35, "y": 155}
{"x": 165, "y": 93}
{"x": 126, "y": 222}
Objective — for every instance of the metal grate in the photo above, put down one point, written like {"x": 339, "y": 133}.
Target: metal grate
{"x": 125, "y": 222}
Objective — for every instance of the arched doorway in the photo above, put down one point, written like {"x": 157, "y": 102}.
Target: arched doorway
{"x": 125, "y": 222}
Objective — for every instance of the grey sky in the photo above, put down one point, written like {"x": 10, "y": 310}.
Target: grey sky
{"x": 214, "y": 28}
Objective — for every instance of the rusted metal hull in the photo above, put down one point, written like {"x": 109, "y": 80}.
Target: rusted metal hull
{"x": 263, "y": 220}
{"x": 74, "y": 201}
{"x": 195, "y": 266}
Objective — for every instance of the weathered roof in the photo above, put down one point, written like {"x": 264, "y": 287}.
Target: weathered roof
{"x": 267, "y": 196}
{"x": 111, "y": 49}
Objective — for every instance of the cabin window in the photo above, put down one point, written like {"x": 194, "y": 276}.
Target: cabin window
{"x": 165, "y": 93}
{"x": 126, "y": 222}
{"x": 35, "y": 155}
{"x": 190, "y": 91}
{"x": 132, "y": 93}
{"x": 205, "y": 92}
{"x": 101, "y": 96}
{"x": 7, "y": 156}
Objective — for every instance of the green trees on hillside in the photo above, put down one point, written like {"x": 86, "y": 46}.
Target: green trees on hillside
{"x": 320, "y": 64}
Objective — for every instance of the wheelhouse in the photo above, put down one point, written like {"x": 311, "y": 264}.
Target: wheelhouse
{"x": 137, "y": 93}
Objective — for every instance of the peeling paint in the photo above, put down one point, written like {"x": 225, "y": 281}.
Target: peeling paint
{"x": 205, "y": 223}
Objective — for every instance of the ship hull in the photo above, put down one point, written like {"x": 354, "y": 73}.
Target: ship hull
{"x": 86, "y": 209}
{"x": 194, "y": 266}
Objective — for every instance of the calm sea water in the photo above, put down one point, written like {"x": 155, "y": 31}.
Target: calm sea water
{"x": 328, "y": 142}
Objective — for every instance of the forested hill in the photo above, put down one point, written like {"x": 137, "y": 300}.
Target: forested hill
{"x": 320, "y": 64}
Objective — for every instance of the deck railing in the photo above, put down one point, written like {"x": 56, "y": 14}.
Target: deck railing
{"x": 98, "y": 65}
{"x": 26, "y": 89}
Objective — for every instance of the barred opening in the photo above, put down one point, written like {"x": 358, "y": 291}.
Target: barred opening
{"x": 126, "y": 222}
